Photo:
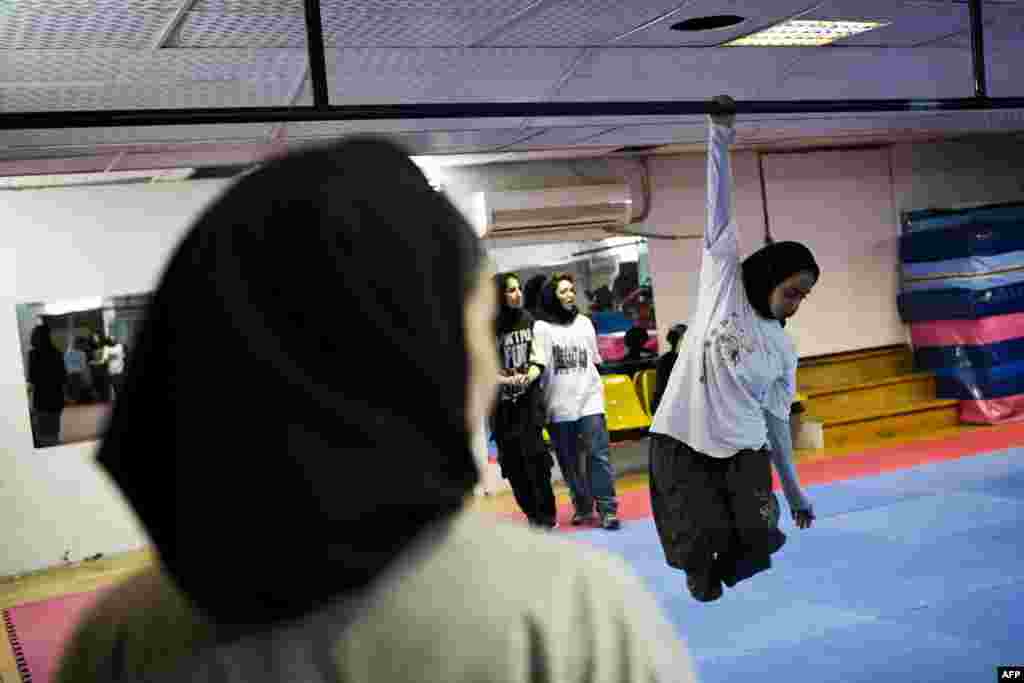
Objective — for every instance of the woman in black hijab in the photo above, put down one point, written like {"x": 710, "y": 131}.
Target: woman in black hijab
{"x": 532, "y": 295}
{"x": 47, "y": 375}
{"x": 729, "y": 396}
{"x": 574, "y": 403}
{"x": 316, "y": 531}
{"x": 519, "y": 413}
{"x": 666, "y": 363}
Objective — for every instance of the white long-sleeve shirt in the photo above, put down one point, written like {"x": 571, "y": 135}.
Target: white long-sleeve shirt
{"x": 732, "y": 364}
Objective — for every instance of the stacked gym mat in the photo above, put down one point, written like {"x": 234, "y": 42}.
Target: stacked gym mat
{"x": 963, "y": 296}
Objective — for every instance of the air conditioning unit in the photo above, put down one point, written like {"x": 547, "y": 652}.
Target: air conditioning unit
{"x": 565, "y": 213}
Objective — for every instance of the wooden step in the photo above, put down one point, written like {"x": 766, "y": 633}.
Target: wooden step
{"x": 870, "y": 397}
{"x": 879, "y": 426}
{"x": 854, "y": 368}
{"x": 818, "y": 454}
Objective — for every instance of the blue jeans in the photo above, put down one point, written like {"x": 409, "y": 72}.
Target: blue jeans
{"x": 590, "y": 478}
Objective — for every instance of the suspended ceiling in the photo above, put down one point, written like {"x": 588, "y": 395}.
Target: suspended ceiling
{"x": 177, "y": 54}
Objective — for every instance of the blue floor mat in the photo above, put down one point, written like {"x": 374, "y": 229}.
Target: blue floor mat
{"x": 915, "y": 575}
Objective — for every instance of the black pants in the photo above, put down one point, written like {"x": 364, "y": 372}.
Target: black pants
{"x": 530, "y": 477}
{"x": 714, "y": 515}
{"x": 525, "y": 460}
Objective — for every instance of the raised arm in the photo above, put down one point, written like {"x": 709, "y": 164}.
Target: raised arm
{"x": 720, "y": 235}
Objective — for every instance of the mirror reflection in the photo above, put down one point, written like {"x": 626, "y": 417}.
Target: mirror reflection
{"x": 614, "y": 289}
{"x": 75, "y": 354}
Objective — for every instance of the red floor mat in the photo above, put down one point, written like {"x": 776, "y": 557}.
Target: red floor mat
{"x": 636, "y": 503}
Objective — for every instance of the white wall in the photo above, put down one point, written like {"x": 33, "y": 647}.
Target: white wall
{"x": 678, "y": 207}
{"x": 840, "y": 204}
{"x": 980, "y": 171}
{"x": 64, "y": 244}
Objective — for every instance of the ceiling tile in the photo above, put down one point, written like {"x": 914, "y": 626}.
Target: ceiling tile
{"x": 44, "y": 24}
{"x": 208, "y": 30}
{"x": 380, "y": 75}
{"x": 114, "y": 96}
{"x": 169, "y": 67}
{"x": 1004, "y": 26}
{"x": 407, "y": 23}
{"x": 580, "y": 22}
{"x": 252, "y": 7}
{"x": 1002, "y": 69}
{"x": 673, "y": 73}
{"x": 879, "y": 73}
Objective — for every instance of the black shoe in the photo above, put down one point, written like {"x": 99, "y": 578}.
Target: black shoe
{"x": 744, "y": 568}
{"x": 610, "y": 522}
{"x": 704, "y": 587}
{"x": 582, "y": 517}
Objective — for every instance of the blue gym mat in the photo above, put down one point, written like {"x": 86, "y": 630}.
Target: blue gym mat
{"x": 915, "y": 575}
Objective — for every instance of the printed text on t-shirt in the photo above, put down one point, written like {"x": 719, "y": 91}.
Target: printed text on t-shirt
{"x": 516, "y": 347}
{"x": 568, "y": 359}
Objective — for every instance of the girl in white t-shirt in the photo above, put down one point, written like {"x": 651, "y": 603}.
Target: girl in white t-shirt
{"x": 728, "y": 397}
{"x": 574, "y": 401}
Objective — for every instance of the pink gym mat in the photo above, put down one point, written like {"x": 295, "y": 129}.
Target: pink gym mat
{"x": 37, "y": 632}
{"x": 981, "y": 332}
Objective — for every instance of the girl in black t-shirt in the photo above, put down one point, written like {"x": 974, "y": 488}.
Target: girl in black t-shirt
{"x": 519, "y": 415}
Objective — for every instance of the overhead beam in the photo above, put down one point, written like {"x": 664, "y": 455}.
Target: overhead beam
{"x": 479, "y": 110}
{"x": 317, "y": 59}
{"x": 978, "y": 49}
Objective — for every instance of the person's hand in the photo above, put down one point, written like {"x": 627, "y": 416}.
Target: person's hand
{"x": 727, "y": 105}
{"x": 804, "y": 518}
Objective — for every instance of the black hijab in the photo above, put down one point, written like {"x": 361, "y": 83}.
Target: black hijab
{"x": 766, "y": 269}
{"x": 508, "y": 318}
{"x": 532, "y": 293}
{"x": 273, "y": 463}
{"x": 551, "y": 309}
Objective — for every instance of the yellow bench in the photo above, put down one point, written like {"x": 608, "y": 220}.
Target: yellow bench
{"x": 622, "y": 404}
{"x": 644, "y": 382}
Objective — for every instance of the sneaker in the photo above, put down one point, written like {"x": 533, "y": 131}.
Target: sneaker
{"x": 704, "y": 588}
{"x": 581, "y": 517}
{"x": 610, "y": 522}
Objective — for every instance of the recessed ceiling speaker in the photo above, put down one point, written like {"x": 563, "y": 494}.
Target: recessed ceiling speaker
{"x": 708, "y": 23}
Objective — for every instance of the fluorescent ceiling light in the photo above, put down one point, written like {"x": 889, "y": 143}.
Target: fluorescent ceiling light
{"x": 806, "y": 33}
{"x": 34, "y": 182}
{"x": 73, "y": 306}
{"x": 431, "y": 169}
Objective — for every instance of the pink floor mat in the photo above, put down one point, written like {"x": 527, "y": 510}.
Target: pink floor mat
{"x": 37, "y": 632}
